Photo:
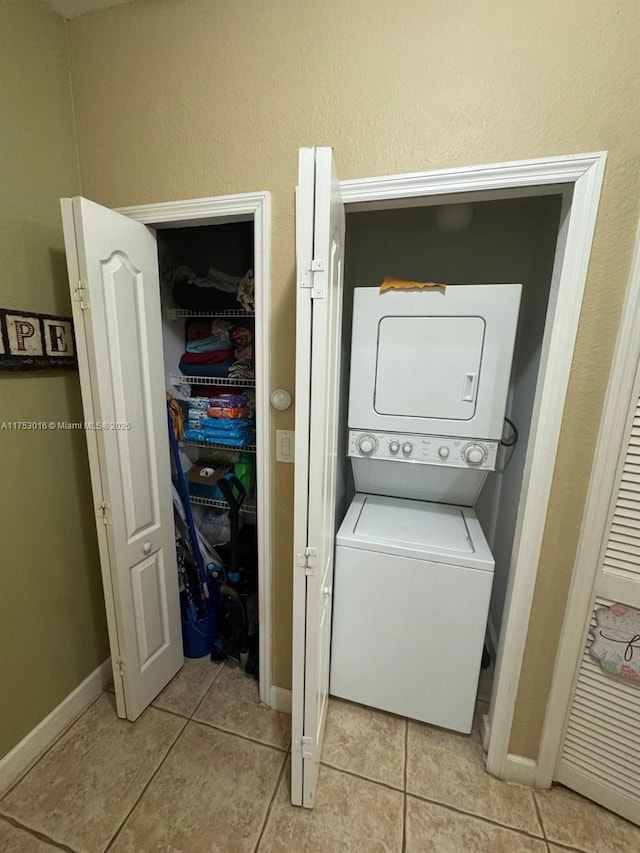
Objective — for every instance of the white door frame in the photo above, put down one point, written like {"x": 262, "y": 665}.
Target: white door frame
{"x": 595, "y": 523}
{"x": 218, "y": 210}
{"x": 582, "y": 174}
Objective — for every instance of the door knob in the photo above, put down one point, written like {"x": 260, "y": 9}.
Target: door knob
{"x": 146, "y": 547}
{"x": 326, "y": 590}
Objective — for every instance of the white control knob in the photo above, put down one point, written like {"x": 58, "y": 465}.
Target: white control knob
{"x": 407, "y": 447}
{"x": 367, "y": 444}
{"x": 474, "y": 454}
{"x": 443, "y": 452}
{"x": 394, "y": 446}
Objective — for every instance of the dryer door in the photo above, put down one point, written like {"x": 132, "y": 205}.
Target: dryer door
{"x": 428, "y": 367}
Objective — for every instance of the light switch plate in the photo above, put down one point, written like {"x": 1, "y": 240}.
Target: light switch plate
{"x": 284, "y": 445}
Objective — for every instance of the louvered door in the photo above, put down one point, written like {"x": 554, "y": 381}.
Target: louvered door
{"x": 600, "y": 755}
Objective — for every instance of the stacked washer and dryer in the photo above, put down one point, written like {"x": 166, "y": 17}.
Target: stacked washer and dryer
{"x": 430, "y": 373}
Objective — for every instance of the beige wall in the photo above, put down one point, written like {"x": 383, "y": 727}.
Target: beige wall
{"x": 184, "y": 98}
{"x": 52, "y": 626}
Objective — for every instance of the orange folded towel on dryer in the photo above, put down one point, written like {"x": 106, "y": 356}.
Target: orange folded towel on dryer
{"x": 401, "y": 284}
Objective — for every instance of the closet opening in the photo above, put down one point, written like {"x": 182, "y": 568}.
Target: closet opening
{"x": 208, "y": 317}
{"x": 466, "y": 239}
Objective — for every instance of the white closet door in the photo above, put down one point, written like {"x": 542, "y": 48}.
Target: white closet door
{"x": 113, "y": 272}
{"x": 600, "y": 756}
{"x": 320, "y": 250}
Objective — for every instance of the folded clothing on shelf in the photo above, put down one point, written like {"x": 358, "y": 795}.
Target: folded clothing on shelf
{"x": 209, "y": 357}
{"x": 240, "y": 370}
{"x": 228, "y": 412}
{"x": 222, "y": 401}
{"x": 205, "y": 334}
{"x": 246, "y": 291}
{"x": 215, "y": 290}
{"x": 217, "y": 348}
{"x": 234, "y": 432}
{"x": 199, "y": 402}
{"x": 219, "y": 370}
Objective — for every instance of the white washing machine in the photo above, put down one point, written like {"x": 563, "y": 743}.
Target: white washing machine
{"x": 413, "y": 571}
{"x": 412, "y": 585}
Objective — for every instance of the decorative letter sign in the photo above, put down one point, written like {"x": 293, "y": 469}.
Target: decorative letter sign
{"x": 36, "y": 341}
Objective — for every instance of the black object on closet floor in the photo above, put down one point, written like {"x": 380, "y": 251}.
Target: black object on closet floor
{"x": 238, "y": 600}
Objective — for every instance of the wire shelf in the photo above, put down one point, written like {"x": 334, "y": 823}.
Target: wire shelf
{"x": 248, "y": 508}
{"x": 180, "y": 313}
{"x": 213, "y": 380}
{"x": 247, "y": 448}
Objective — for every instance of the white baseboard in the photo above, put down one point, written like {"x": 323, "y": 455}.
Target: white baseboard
{"x": 280, "y": 699}
{"x": 517, "y": 768}
{"x": 31, "y": 747}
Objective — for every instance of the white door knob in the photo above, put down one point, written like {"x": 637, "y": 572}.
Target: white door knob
{"x": 146, "y": 547}
{"x": 326, "y": 590}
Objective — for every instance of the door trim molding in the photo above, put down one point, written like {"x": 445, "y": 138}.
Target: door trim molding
{"x": 582, "y": 175}
{"x": 217, "y": 210}
{"x": 594, "y": 526}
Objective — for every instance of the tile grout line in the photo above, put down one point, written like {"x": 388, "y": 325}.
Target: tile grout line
{"x": 567, "y": 847}
{"x": 544, "y": 832}
{"x": 189, "y": 715}
{"x": 539, "y": 816}
{"x": 46, "y": 751}
{"x": 146, "y": 786}
{"x": 477, "y": 817}
{"x": 171, "y": 713}
{"x": 550, "y": 841}
{"x": 258, "y": 742}
{"x": 404, "y": 792}
{"x": 271, "y": 802}
{"x": 220, "y": 667}
{"x": 355, "y": 775}
{"x": 36, "y": 833}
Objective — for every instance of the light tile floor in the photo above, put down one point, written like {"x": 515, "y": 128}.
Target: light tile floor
{"x": 206, "y": 770}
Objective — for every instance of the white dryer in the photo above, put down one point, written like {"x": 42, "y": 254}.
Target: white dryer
{"x": 432, "y": 362}
{"x": 411, "y": 592}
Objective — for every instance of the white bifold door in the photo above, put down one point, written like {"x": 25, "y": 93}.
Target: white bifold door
{"x": 600, "y": 755}
{"x": 113, "y": 275}
{"x": 320, "y": 251}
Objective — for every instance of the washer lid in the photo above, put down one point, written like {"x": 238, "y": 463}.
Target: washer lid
{"x": 442, "y": 533}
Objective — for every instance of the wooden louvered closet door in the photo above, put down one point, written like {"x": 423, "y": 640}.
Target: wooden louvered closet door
{"x": 600, "y": 756}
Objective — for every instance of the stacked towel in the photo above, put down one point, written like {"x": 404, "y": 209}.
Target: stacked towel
{"x": 218, "y": 348}
{"x": 241, "y": 432}
{"x": 224, "y": 421}
{"x": 209, "y": 349}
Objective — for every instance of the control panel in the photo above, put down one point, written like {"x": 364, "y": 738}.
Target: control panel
{"x": 425, "y": 449}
